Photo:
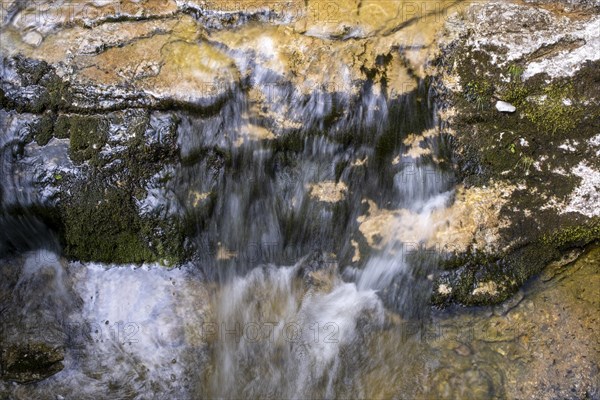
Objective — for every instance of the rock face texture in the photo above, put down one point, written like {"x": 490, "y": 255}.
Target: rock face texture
{"x": 395, "y": 154}
{"x": 543, "y": 58}
{"x": 35, "y": 296}
{"x": 31, "y": 363}
{"x": 123, "y": 123}
{"x": 129, "y": 128}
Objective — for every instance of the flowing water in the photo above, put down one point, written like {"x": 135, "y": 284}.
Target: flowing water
{"x": 278, "y": 302}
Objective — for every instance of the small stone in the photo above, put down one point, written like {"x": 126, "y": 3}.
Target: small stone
{"x": 444, "y": 289}
{"x": 501, "y": 351}
{"x": 463, "y": 350}
{"x": 503, "y": 106}
{"x": 30, "y": 362}
{"x": 33, "y": 38}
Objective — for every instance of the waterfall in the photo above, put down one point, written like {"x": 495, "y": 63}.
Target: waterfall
{"x": 255, "y": 200}
{"x": 311, "y": 210}
{"x": 291, "y": 311}
{"x": 294, "y": 332}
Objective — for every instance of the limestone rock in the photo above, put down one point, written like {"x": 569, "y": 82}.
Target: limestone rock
{"x": 505, "y": 107}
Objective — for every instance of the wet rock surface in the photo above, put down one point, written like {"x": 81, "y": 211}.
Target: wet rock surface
{"x": 69, "y": 168}
{"x": 85, "y": 330}
{"x": 544, "y": 152}
{"x": 110, "y": 101}
{"x": 31, "y": 362}
{"x": 32, "y": 334}
{"x": 109, "y": 109}
{"x": 131, "y": 54}
{"x": 543, "y": 345}
{"x": 239, "y": 136}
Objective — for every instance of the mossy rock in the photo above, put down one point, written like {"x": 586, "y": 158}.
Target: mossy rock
{"x": 31, "y": 362}
{"x": 102, "y": 224}
{"x": 577, "y": 235}
{"x": 50, "y": 91}
{"x": 507, "y": 272}
{"x": 61, "y": 127}
{"x": 523, "y": 149}
{"x": 43, "y": 129}
{"x": 59, "y": 92}
{"x": 546, "y": 106}
{"x": 87, "y": 134}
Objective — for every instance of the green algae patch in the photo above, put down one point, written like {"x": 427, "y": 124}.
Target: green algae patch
{"x": 484, "y": 279}
{"x": 477, "y": 278}
{"x": 99, "y": 213}
{"x": 51, "y": 93}
{"x": 103, "y": 224}
{"x": 554, "y": 108}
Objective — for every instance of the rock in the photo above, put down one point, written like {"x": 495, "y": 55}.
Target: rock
{"x": 31, "y": 362}
{"x": 111, "y": 169}
{"x": 503, "y": 106}
{"x": 543, "y": 66}
{"x": 509, "y": 304}
{"x": 329, "y": 191}
{"x": 318, "y": 270}
{"x": 90, "y": 81}
{"x": 463, "y": 350}
{"x": 36, "y": 296}
{"x": 33, "y": 38}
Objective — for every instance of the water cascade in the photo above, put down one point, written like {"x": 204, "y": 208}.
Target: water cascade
{"x": 307, "y": 204}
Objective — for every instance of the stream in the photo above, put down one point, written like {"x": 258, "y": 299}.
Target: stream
{"x": 279, "y": 301}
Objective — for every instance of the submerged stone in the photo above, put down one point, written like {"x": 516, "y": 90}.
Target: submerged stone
{"x": 30, "y": 362}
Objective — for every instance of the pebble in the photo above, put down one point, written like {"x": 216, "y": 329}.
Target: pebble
{"x": 463, "y": 350}
{"x": 503, "y": 106}
{"x": 33, "y": 38}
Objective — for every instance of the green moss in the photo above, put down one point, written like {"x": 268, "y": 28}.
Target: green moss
{"x": 102, "y": 224}
{"x": 166, "y": 238}
{"x": 59, "y": 93}
{"x": 515, "y": 71}
{"x": 525, "y": 163}
{"x": 55, "y": 94}
{"x": 550, "y": 114}
{"x": 88, "y": 134}
{"x": 479, "y": 92}
{"x": 61, "y": 127}
{"x": 509, "y": 271}
{"x": 515, "y": 93}
{"x": 544, "y": 105}
{"x": 43, "y": 129}
{"x": 578, "y": 235}
{"x": 99, "y": 215}
{"x": 504, "y": 148}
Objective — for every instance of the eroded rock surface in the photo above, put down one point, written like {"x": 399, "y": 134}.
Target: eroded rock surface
{"x": 108, "y": 107}
{"x": 31, "y": 362}
{"x": 138, "y": 117}
{"x": 543, "y": 58}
